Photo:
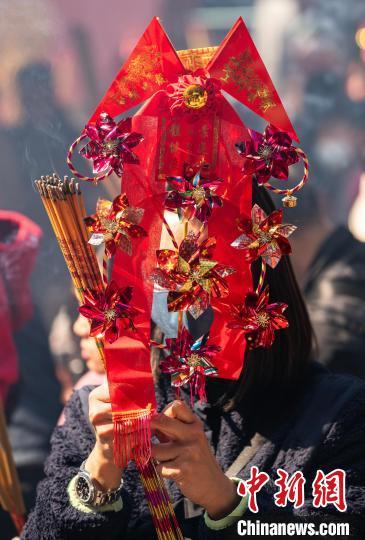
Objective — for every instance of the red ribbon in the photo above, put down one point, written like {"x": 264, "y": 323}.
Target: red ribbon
{"x": 170, "y": 141}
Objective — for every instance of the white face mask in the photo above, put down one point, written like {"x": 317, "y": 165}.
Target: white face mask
{"x": 167, "y": 321}
{"x": 335, "y": 154}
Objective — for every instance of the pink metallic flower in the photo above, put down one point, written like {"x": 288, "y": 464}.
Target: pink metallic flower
{"x": 258, "y": 319}
{"x": 268, "y": 154}
{"x": 191, "y": 276}
{"x": 194, "y": 192}
{"x": 109, "y": 311}
{"x": 115, "y": 224}
{"x": 264, "y": 236}
{"x": 110, "y": 144}
{"x": 190, "y": 362}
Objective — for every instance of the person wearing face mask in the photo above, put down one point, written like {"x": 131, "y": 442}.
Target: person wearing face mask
{"x": 328, "y": 260}
{"x": 269, "y": 407}
{"x": 285, "y": 411}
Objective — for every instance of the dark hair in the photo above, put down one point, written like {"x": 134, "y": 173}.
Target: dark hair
{"x": 279, "y": 369}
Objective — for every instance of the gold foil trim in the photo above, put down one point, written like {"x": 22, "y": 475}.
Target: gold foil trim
{"x": 144, "y": 71}
{"x": 240, "y": 70}
{"x": 193, "y": 59}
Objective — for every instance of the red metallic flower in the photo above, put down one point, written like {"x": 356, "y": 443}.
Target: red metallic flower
{"x": 264, "y": 236}
{"x": 115, "y": 224}
{"x": 110, "y": 144}
{"x": 190, "y": 362}
{"x": 258, "y": 319}
{"x": 194, "y": 192}
{"x": 194, "y": 93}
{"x": 268, "y": 154}
{"x": 109, "y": 311}
{"x": 190, "y": 275}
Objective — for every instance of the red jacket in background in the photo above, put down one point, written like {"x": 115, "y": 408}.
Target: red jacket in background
{"x": 19, "y": 240}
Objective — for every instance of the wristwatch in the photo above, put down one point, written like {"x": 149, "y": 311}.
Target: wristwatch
{"x": 89, "y": 491}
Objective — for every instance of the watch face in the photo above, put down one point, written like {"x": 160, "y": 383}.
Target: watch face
{"x": 83, "y": 489}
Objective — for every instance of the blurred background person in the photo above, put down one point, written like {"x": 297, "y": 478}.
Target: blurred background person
{"x": 29, "y": 389}
{"x": 9, "y": 370}
{"x": 331, "y": 265}
{"x": 326, "y": 44}
{"x": 19, "y": 240}
{"x": 95, "y": 374}
{"x": 39, "y": 142}
{"x": 90, "y": 356}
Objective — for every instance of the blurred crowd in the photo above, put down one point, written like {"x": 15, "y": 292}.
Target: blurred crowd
{"x": 57, "y": 60}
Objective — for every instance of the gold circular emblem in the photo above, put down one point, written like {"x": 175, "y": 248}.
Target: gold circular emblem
{"x": 195, "y": 96}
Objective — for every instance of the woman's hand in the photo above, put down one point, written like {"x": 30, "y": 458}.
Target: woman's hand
{"x": 100, "y": 462}
{"x": 184, "y": 456}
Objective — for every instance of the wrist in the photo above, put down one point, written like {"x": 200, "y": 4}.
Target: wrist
{"x": 224, "y": 502}
{"x": 103, "y": 470}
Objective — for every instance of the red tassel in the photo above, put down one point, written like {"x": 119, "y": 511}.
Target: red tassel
{"x": 132, "y": 436}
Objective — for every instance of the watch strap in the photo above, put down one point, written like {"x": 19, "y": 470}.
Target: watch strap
{"x": 81, "y": 506}
{"x": 101, "y": 497}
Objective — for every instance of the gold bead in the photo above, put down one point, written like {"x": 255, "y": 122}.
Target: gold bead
{"x": 289, "y": 201}
{"x": 195, "y": 96}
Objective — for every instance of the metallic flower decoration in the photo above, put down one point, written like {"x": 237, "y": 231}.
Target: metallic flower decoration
{"x": 194, "y": 93}
{"x": 115, "y": 224}
{"x": 191, "y": 276}
{"x": 264, "y": 236}
{"x": 190, "y": 362}
{"x": 109, "y": 311}
{"x": 110, "y": 144}
{"x": 194, "y": 192}
{"x": 258, "y": 319}
{"x": 268, "y": 154}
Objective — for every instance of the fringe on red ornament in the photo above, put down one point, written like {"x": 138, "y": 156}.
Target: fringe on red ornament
{"x": 132, "y": 436}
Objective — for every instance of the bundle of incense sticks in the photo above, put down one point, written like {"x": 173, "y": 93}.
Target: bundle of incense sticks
{"x": 64, "y": 205}
{"x": 11, "y": 499}
{"x": 63, "y": 202}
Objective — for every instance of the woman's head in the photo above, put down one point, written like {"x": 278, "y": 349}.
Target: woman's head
{"x": 265, "y": 370}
